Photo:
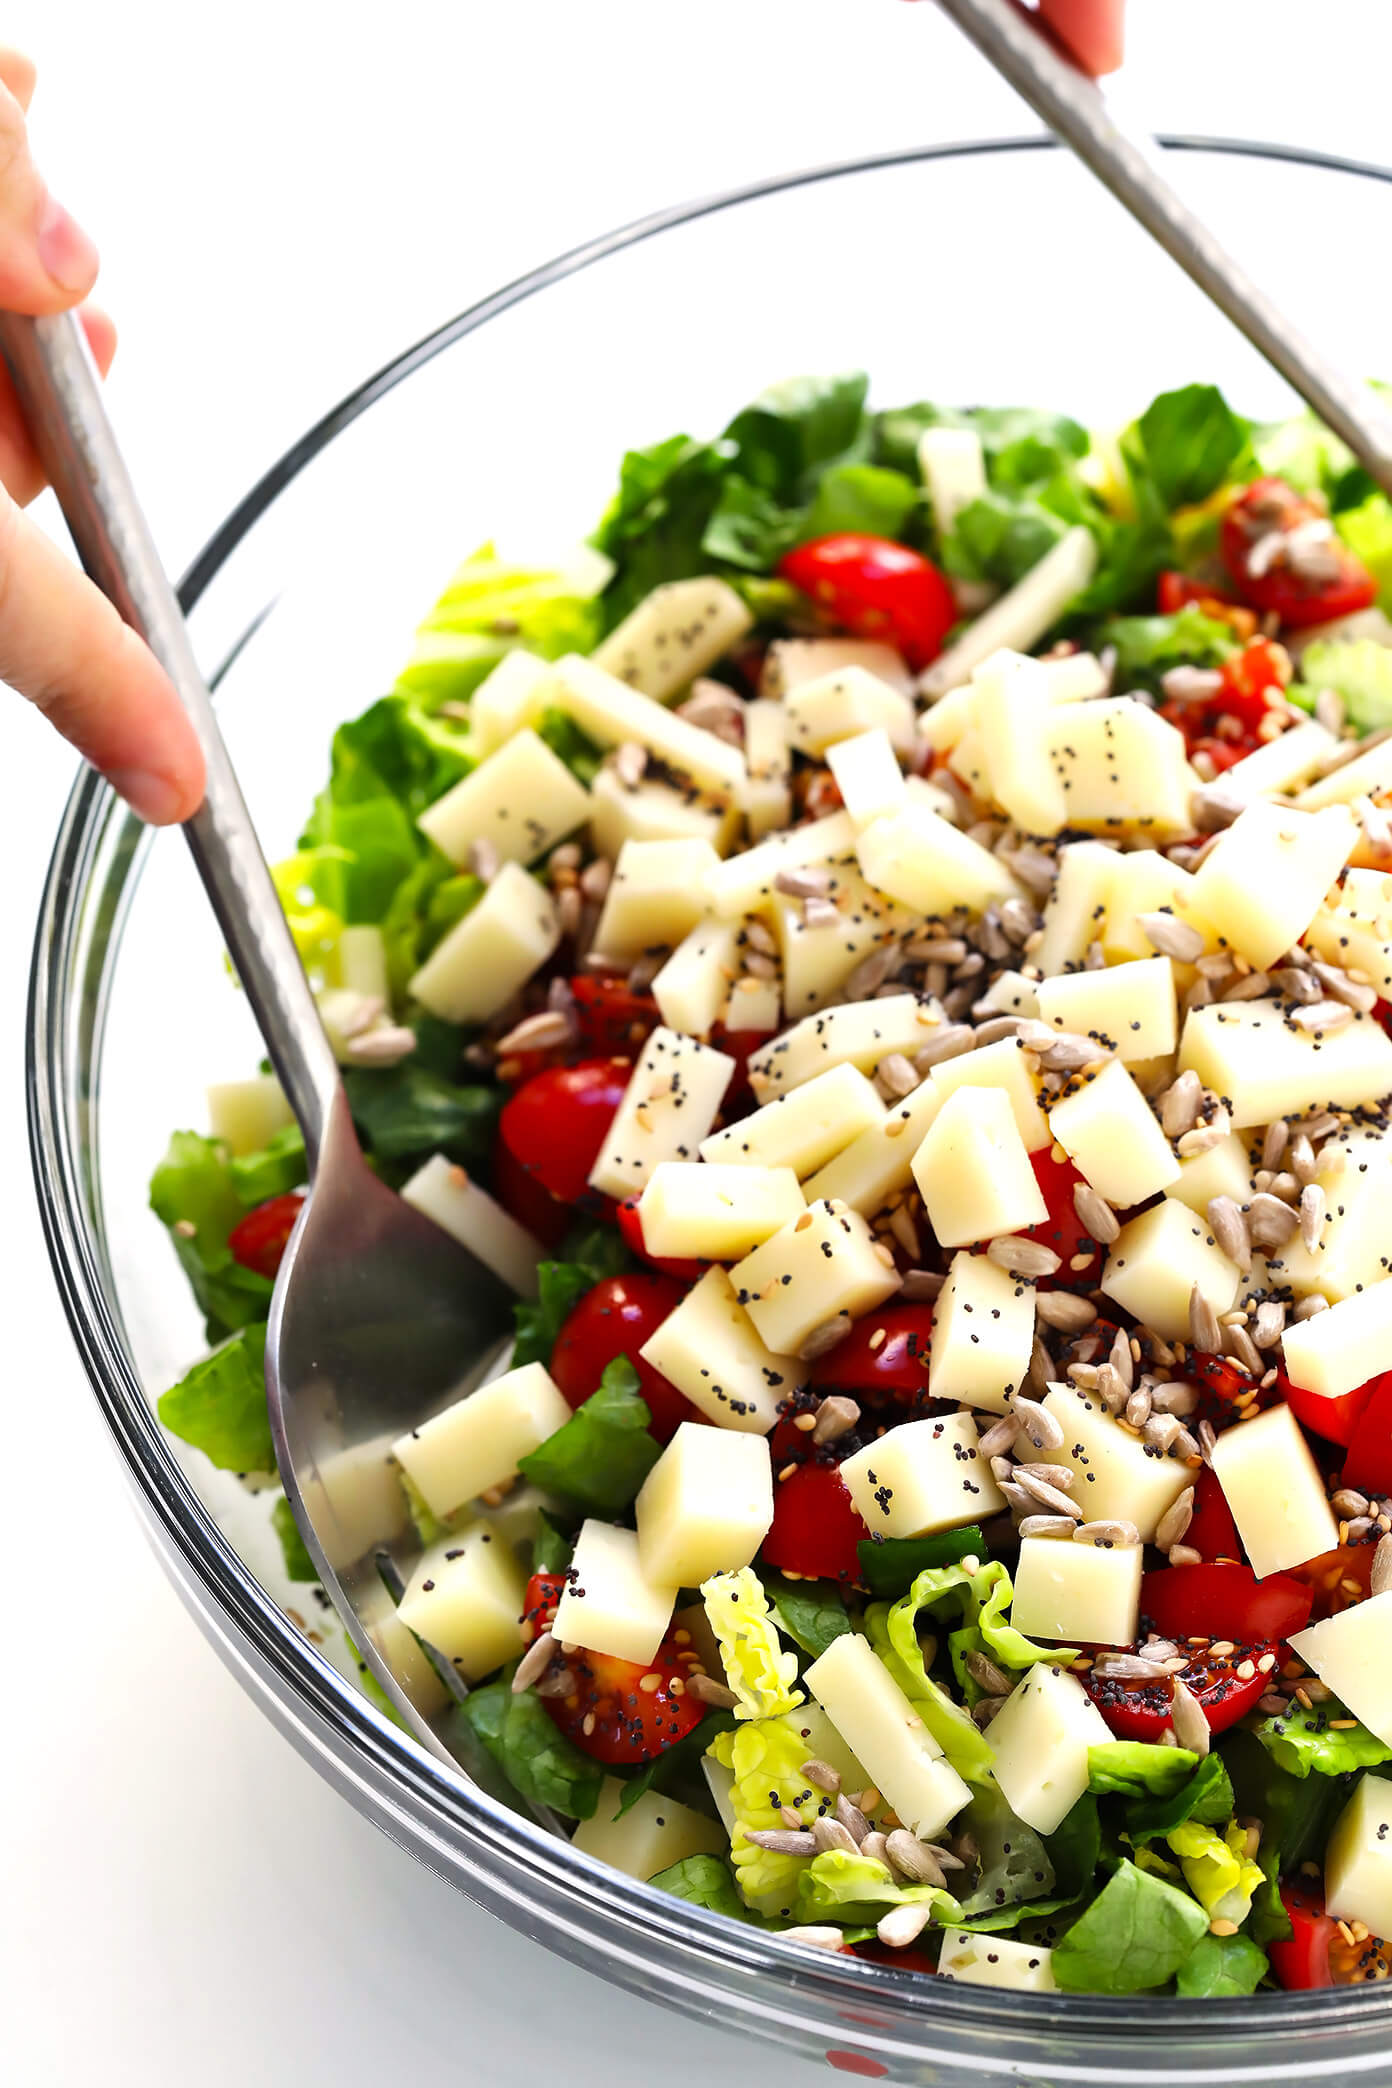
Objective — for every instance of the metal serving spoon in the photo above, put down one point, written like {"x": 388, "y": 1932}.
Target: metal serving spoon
{"x": 1075, "y": 108}
{"x": 377, "y": 1314}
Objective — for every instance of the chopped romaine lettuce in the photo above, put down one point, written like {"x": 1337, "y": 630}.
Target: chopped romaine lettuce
{"x": 1136, "y": 1769}
{"x": 1217, "y": 1869}
{"x": 1148, "y": 646}
{"x": 863, "y": 499}
{"x": 192, "y": 1191}
{"x": 757, "y": 1669}
{"x": 1136, "y": 1934}
{"x": 1300, "y": 1741}
{"x": 662, "y": 1772}
{"x": 1016, "y": 1880}
{"x": 298, "y": 1564}
{"x": 1359, "y": 671}
{"x": 552, "y": 1549}
{"x": 404, "y": 1111}
{"x": 1367, "y": 530}
{"x": 980, "y": 1598}
{"x": 890, "y": 1565}
{"x": 1206, "y": 1795}
{"x": 220, "y": 1407}
{"x": 561, "y": 1284}
{"x": 490, "y": 607}
{"x": 892, "y": 1634}
{"x": 765, "y": 1757}
{"x": 570, "y": 745}
{"x": 1218, "y": 1966}
{"x": 601, "y": 1456}
{"x": 704, "y": 1881}
{"x": 845, "y": 1886}
{"x": 275, "y": 1168}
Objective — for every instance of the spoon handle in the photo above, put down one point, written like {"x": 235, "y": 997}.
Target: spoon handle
{"x": 1075, "y": 109}
{"x": 61, "y": 398}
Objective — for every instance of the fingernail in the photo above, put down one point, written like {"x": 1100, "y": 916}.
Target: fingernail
{"x": 155, "y": 798}
{"x": 65, "y": 250}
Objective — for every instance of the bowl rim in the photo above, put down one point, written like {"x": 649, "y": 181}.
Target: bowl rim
{"x": 401, "y": 1787}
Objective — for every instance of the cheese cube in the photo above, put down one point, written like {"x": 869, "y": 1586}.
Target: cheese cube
{"x": 973, "y": 1170}
{"x": 801, "y": 1129}
{"x": 867, "y": 1172}
{"x": 1143, "y": 881}
{"x": 819, "y": 957}
{"x": 669, "y": 1105}
{"x": 651, "y": 1836}
{"x": 766, "y": 796}
{"x": 1156, "y": 1260}
{"x": 998, "y": 1961}
{"x": 611, "y": 713}
{"x": 1020, "y": 618}
{"x": 927, "y": 863}
{"x": 843, "y": 704}
{"x": 1357, "y": 933}
{"x": 983, "y": 1333}
{"x": 953, "y": 466}
{"x": 709, "y": 1349}
{"x": 1011, "y": 993}
{"x": 867, "y": 774}
{"x": 950, "y": 719}
{"x": 1041, "y": 1736}
{"x": 1348, "y": 1652}
{"x": 706, "y": 1505}
{"x": 1248, "y": 1053}
{"x": 654, "y": 811}
{"x": 1123, "y": 768}
{"x": 1368, "y": 775}
{"x": 792, "y": 661}
{"x": 1353, "y": 1245}
{"x": 1279, "y": 767}
{"x": 1224, "y": 1170}
{"x": 445, "y": 1193}
{"x": 1109, "y": 1132}
{"x": 1081, "y": 1594}
{"x": 1129, "y": 1007}
{"x": 968, "y": 761}
{"x": 1013, "y": 717}
{"x": 479, "y": 1441}
{"x": 405, "y": 1657}
{"x": 1075, "y": 913}
{"x": 492, "y": 952}
{"x": 654, "y": 896}
{"x": 1358, "y": 1858}
{"x": 673, "y": 635}
{"x": 1000, "y": 1065}
{"x": 858, "y": 1034}
{"x": 245, "y": 1114}
{"x": 516, "y": 1518}
{"x": 1265, "y": 881}
{"x": 468, "y": 1606}
{"x": 878, "y": 1723}
{"x": 922, "y": 1477}
{"x": 746, "y": 882}
{"x": 822, "y": 1263}
{"x": 1118, "y": 1478}
{"x": 715, "y": 1213}
{"x": 694, "y": 984}
{"x": 355, "y": 1501}
{"x": 1338, "y": 1350}
{"x": 1273, "y": 1486}
{"x": 754, "y": 1004}
{"x": 507, "y": 700}
{"x": 362, "y": 963}
{"x": 1071, "y": 678}
{"x": 522, "y": 800}
{"x": 608, "y": 1604}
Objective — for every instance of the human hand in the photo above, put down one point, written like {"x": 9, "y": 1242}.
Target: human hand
{"x": 61, "y": 643}
{"x": 1091, "y": 30}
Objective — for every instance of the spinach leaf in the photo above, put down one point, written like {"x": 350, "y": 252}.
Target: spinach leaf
{"x": 405, "y": 1110}
{"x": 653, "y": 527}
{"x": 811, "y": 1613}
{"x": 999, "y": 537}
{"x": 220, "y": 1407}
{"x": 1205, "y": 1795}
{"x": 1135, "y": 1936}
{"x": 796, "y": 426}
{"x": 552, "y": 1549}
{"x": 1221, "y": 1965}
{"x": 298, "y": 1564}
{"x": 1190, "y": 442}
{"x": 1297, "y": 1814}
{"x": 891, "y": 1565}
{"x": 683, "y": 1754}
{"x": 750, "y": 528}
{"x": 706, "y": 1881}
{"x": 1074, "y": 1848}
{"x": 862, "y": 498}
{"x": 601, "y": 1456}
{"x": 1148, "y": 646}
{"x": 535, "y": 1756}
{"x": 560, "y": 1285}
{"x": 572, "y": 746}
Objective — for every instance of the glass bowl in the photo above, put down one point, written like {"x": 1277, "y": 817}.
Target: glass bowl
{"x": 990, "y": 272}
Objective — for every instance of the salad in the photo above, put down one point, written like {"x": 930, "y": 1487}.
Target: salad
{"x": 888, "y": 952}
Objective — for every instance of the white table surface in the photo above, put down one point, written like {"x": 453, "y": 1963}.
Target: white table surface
{"x": 285, "y": 194}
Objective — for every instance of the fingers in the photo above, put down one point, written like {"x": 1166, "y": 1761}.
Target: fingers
{"x": 18, "y": 74}
{"x": 1092, "y": 30}
{"x": 47, "y": 262}
{"x": 63, "y": 646}
{"x": 21, "y": 474}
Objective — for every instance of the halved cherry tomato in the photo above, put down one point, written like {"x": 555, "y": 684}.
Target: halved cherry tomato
{"x": 1223, "y": 1601}
{"x": 1340, "y": 585}
{"x": 877, "y": 589}
{"x": 615, "y": 1319}
{"x": 816, "y": 1525}
{"x": 1212, "y": 1532}
{"x": 1368, "y": 1465}
{"x": 1063, "y": 1229}
{"x": 631, "y": 1232}
{"x": 612, "y": 1017}
{"x": 1175, "y": 591}
{"x": 608, "y": 1714}
{"x": 1316, "y": 1953}
{"x": 1142, "y": 1710}
{"x": 897, "y": 1363}
{"x": 904, "y": 1960}
{"x": 1231, "y": 724}
{"x": 530, "y": 1201}
{"x": 1339, "y": 1577}
{"x": 259, "y": 1240}
{"x": 555, "y": 1124}
{"x": 1338, "y": 1419}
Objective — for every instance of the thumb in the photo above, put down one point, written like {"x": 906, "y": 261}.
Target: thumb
{"x": 47, "y": 262}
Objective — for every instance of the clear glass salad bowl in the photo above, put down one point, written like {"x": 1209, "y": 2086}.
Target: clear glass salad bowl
{"x": 991, "y": 272}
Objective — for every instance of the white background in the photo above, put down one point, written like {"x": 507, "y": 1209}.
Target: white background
{"x": 285, "y": 194}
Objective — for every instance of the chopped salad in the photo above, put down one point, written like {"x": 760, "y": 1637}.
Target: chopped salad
{"x": 888, "y": 952}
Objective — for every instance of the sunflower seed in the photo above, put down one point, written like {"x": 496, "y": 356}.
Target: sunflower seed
{"x": 1187, "y": 684}
{"x": 1046, "y": 1526}
{"x": 1162, "y": 1431}
{"x": 1023, "y": 1257}
{"x": 830, "y": 1834}
{"x": 921, "y": 1286}
{"x": 1270, "y": 1221}
{"x": 1064, "y": 1310}
{"x": 1170, "y": 936}
{"x": 1110, "y": 1533}
{"x": 821, "y": 1775}
{"x": 876, "y": 1848}
{"x": 1348, "y": 1501}
{"x": 1381, "y": 1577}
{"x": 1204, "y": 1137}
{"x": 1096, "y": 1214}
{"x": 1308, "y": 1307}
{"x": 1204, "y": 1331}
{"x": 872, "y": 971}
{"x": 1237, "y": 1342}
{"x": 1230, "y": 1230}
{"x": 912, "y": 1859}
{"x": 808, "y": 883}
{"x": 1138, "y": 1407}
{"x": 1175, "y": 1396}
{"x": 1048, "y": 1496}
{"x": 1191, "y": 1728}
{"x": 1176, "y": 1520}
{"x": 1208, "y": 1436}
{"x": 714, "y": 708}
{"x": 783, "y": 1841}
{"x": 707, "y": 1690}
{"x": 1184, "y": 1555}
{"x": 999, "y": 1436}
{"x": 1322, "y": 1019}
{"x": 825, "y": 1337}
{"x": 852, "y": 1819}
{"x": 1049, "y": 1474}
{"x": 950, "y": 1042}
{"x": 1180, "y": 1105}
{"x": 895, "y": 1076}
{"x": 535, "y": 1661}
{"x": 1129, "y": 1667}
{"x": 1312, "y": 1208}
{"x": 902, "y": 1926}
{"x": 1038, "y": 1424}
{"x": 630, "y": 762}
{"x": 380, "y": 1047}
{"x": 757, "y": 965}
{"x": 537, "y": 1033}
{"x": 1269, "y": 1323}
{"x": 836, "y": 1417}
{"x": 1341, "y": 987}
{"x": 1274, "y": 1144}
{"x": 815, "y": 1936}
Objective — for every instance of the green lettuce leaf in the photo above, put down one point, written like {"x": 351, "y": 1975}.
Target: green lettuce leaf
{"x": 765, "y": 1758}
{"x": 1136, "y": 1769}
{"x": 843, "y": 1885}
{"x": 586, "y": 1261}
{"x": 570, "y": 745}
{"x": 1189, "y": 443}
{"x": 891, "y": 1632}
{"x": 750, "y": 528}
{"x": 999, "y": 536}
{"x": 489, "y": 608}
{"x": 890, "y": 1565}
{"x": 1134, "y": 1937}
{"x": 1303, "y": 452}
{"x": 1359, "y": 671}
{"x": 272, "y": 1170}
{"x": 1297, "y": 1814}
{"x": 534, "y": 1755}
{"x": 980, "y": 1600}
{"x": 864, "y": 499}
{"x": 1017, "y": 1880}
{"x": 404, "y": 1112}
{"x": 220, "y": 1407}
{"x": 1148, "y": 646}
{"x": 1367, "y": 530}
{"x": 797, "y": 426}
{"x": 704, "y": 1881}
{"x": 193, "y": 1192}
{"x": 552, "y": 1549}
{"x": 1217, "y": 1869}
{"x": 298, "y": 1564}
{"x": 1205, "y": 1795}
{"x": 1300, "y": 1741}
{"x": 757, "y": 1669}
{"x": 1218, "y": 1966}
{"x": 654, "y": 525}
{"x": 600, "y": 1457}
{"x": 811, "y": 1613}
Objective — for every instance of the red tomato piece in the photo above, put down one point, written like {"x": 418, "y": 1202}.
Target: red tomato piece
{"x": 1324, "y": 580}
{"x": 1336, "y": 1420}
{"x": 1175, "y": 591}
{"x": 1141, "y": 1710}
{"x": 1212, "y": 1531}
{"x": 615, "y": 1319}
{"x": 816, "y": 1526}
{"x": 1301, "y": 1960}
{"x": 896, "y": 1364}
{"x": 630, "y": 1223}
{"x": 1337, "y": 1578}
{"x": 612, "y": 1017}
{"x": 555, "y": 1124}
{"x": 608, "y": 1714}
{"x": 877, "y": 589}
{"x": 530, "y": 1201}
{"x": 1223, "y": 1601}
{"x": 1368, "y": 1465}
{"x": 259, "y": 1240}
{"x": 1063, "y": 1229}
{"x": 1232, "y": 723}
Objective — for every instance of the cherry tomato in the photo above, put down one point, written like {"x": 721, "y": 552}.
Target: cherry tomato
{"x": 1223, "y": 1602}
{"x": 259, "y": 1240}
{"x": 1232, "y": 723}
{"x": 555, "y": 1124}
{"x": 1338, "y": 1419}
{"x": 1339, "y": 1577}
{"x": 1338, "y": 586}
{"x": 1301, "y": 1960}
{"x": 877, "y": 589}
{"x": 904, "y": 1960}
{"x": 1368, "y": 1465}
{"x": 631, "y": 1231}
{"x": 816, "y": 1526}
{"x": 608, "y": 1714}
{"x": 1175, "y": 591}
{"x": 530, "y": 1201}
{"x": 612, "y": 1017}
{"x": 1142, "y": 1710}
{"x": 896, "y": 1364}
{"x": 1212, "y": 1532}
{"x": 1063, "y": 1229}
{"x": 615, "y": 1319}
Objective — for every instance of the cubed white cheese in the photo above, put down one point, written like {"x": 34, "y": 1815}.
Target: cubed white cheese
{"x": 1110, "y": 1133}
{"x": 1249, "y": 1053}
{"x": 766, "y": 795}
{"x": 1357, "y": 933}
{"x": 953, "y": 467}
{"x": 653, "y": 1834}
{"x": 244, "y": 1114}
{"x": 521, "y": 800}
{"x": 1368, "y": 775}
{"x": 1273, "y": 1487}
{"x": 713, "y": 1212}
{"x": 1000, "y": 1065}
{"x": 801, "y": 1129}
{"x": 1265, "y": 880}
{"x": 746, "y": 883}
{"x": 1338, "y": 1350}
{"x": 479, "y": 1441}
{"x": 1022, "y": 615}
{"x": 444, "y": 1192}
{"x": 468, "y": 1606}
{"x": 355, "y": 1501}
{"x": 1040, "y": 1737}
{"x": 612, "y": 713}
{"x": 507, "y": 700}
{"x": 654, "y": 811}
{"x": 876, "y": 1720}
{"x": 1011, "y": 993}
{"x": 1224, "y": 1170}
{"x": 1117, "y": 1477}
{"x": 709, "y": 1349}
{"x": 1122, "y": 767}
{"x": 754, "y": 1004}
{"x": 362, "y": 962}
{"x": 867, "y": 774}
{"x": 673, "y": 635}
{"x": 922, "y": 1477}
{"x": 973, "y": 1170}
{"x": 860, "y": 1033}
{"x": 516, "y": 1518}
{"x": 608, "y": 1604}
{"x": 654, "y": 897}
{"x": 1156, "y": 1260}
{"x": 1077, "y": 1594}
{"x": 672, "y": 1099}
{"x": 1014, "y": 717}
{"x": 983, "y": 1333}
{"x": 822, "y": 1263}
{"x": 1075, "y": 913}
{"x": 1281, "y": 765}
{"x": 1130, "y": 1008}
{"x": 406, "y": 1658}
{"x": 492, "y": 952}
{"x": 792, "y": 661}
{"x": 1143, "y": 882}
{"x": 1348, "y": 1652}
{"x": 1358, "y": 1858}
{"x": 706, "y": 1505}
{"x": 694, "y": 984}
{"x": 842, "y": 704}
{"x": 820, "y": 955}
{"x": 867, "y": 1172}
{"x": 926, "y": 863}
{"x": 997, "y": 1961}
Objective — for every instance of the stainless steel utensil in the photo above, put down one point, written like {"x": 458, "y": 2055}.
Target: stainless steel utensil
{"x": 377, "y": 1313}
{"x": 1075, "y": 108}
